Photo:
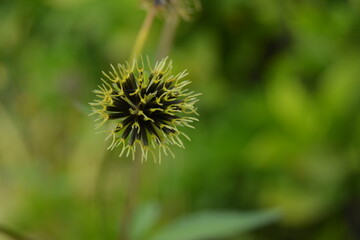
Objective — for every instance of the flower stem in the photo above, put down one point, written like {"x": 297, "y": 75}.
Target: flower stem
{"x": 165, "y": 44}
{"x": 13, "y": 234}
{"x": 134, "y": 179}
{"x": 131, "y": 198}
{"x": 143, "y": 33}
{"x": 100, "y": 190}
{"x": 167, "y": 34}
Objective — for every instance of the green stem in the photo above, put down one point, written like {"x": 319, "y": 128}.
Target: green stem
{"x": 166, "y": 40}
{"x": 134, "y": 180}
{"x": 100, "y": 189}
{"x": 167, "y": 34}
{"x": 13, "y": 234}
{"x": 131, "y": 198}
{"x": 143, "y": 33}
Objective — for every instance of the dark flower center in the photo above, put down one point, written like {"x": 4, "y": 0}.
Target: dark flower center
{"x": 144, "y": 110}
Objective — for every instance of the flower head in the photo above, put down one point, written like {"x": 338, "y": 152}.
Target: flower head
{"x": 146, "y": 105}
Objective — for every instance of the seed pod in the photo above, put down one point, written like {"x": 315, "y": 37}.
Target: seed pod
{"x": 146, "y": 105}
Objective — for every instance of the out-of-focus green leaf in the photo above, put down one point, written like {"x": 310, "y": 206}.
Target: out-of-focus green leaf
{"x": 145, "y": 218}
{"x": 207, "y": 225}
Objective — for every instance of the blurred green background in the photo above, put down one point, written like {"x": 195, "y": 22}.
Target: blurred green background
{"x": 279, "y": 117}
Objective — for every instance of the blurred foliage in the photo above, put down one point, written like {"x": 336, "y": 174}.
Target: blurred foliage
{"x": 279, "y": 124}
{"x": 215, "y": 225}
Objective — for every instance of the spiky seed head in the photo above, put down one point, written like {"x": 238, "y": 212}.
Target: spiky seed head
{"x": 146, "y": 105}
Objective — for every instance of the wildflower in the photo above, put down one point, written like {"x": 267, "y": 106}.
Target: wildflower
{"x": 146, "y": 106}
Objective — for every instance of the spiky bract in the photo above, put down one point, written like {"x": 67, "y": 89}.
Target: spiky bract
{"x": 146, "y": 106}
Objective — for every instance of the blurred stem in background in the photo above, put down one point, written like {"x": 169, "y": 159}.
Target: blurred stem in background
{"x": 11, "y": 233}
{"x": 167, "y": 34}
{"x": 131, "y": 198}
{"x": 164, "y": 46}
{"x": 101, "y": 181}
{"x": 144, "y": 32}
{"x": 134, "y": 178}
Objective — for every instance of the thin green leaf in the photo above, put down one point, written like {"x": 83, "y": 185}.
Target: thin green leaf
{"x": 145, "y": 218}
{"x": 209, "y": 225}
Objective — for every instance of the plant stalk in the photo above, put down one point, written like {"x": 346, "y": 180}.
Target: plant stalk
{"x": 13, "y": 234}
{"x": 164, "y": 47}
{"x": 167, "y": 34}
{"x": 134, "y": 179}
{"x": 143, "y": 33}
{"x": 131, "y": 198}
